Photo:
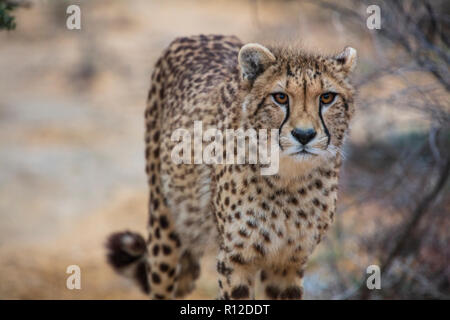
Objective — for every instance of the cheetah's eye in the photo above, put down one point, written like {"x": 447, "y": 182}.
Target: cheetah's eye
{"x": 280, "y": 98}
{"x": 327, "y": 98}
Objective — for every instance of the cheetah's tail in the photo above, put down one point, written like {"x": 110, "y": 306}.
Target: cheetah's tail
{"x": 127, "y": 254}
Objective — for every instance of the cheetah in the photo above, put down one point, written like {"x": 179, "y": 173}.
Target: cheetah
{"x": 265, "y": 226}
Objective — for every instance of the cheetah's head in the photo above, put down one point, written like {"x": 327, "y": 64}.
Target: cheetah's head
{"x": 307, "y": 97}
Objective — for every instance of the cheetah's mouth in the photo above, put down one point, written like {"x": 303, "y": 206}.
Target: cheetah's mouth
{"x": 303, "y": 152}
{"x": 307, "y": 153}
{"x": 300, "y": 151}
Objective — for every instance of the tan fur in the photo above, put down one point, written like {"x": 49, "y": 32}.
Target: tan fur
{"x": 265, "y": 224}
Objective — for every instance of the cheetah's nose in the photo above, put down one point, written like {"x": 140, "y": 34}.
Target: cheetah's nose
{"x": 304, "y": 135}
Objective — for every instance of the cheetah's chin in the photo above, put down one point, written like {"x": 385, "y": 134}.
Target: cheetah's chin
{"x": 304, "y": 156}
{"x": 294, "y": 166}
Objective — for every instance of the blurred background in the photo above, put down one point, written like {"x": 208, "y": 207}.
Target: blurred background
{"x": 72, "y": 139}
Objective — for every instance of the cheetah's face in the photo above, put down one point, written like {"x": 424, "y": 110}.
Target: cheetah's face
{"x": 308, "y": 98}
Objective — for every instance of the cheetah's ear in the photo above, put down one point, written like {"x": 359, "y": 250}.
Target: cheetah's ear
{"x": 254, "y": 60}
{"x": 347, "y": 59}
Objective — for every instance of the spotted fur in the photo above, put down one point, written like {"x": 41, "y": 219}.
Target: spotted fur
{"x": 263, "y": 225}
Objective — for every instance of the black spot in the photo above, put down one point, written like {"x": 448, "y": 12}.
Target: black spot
{"x": 251, "y": 224}
{"x": 142, "y": 277}
{"x": 151, "y": 221}
{"x": 287, "y": 213}
{"x": 156, "y": 204}
{"x": 156, "y": 136}
{"x": 272, "y": 292}
{"x": 239, "y": 245}
{"x": 291, "y": 293}
{"x": 259, "y": 248}
{"x": 318, "y": 184}
{"x": 301, "y": 214}
{"x": 265, "y": 234}
{"x": 289, "y": 72}
{"x": 243, "y": 233}
{"x": 156, "y": 278}
{"x": 223, "y": 269}
{"x": 174, "y": 237}
{"x": 316, "y": 202}
{"x": 166, "y": 249}
{"x": 340, "y": 60}
{"x": 237, "y": 258}
{"x": 163, "y": 222}
{"x": 240, "y": 292}
{"x": 164, "y": 267}
{"x": 263, "y": 275}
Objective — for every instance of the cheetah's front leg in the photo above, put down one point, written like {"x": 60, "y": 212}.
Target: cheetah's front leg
{"x": 282, "y": 283}
{"x": 236, "y": 279}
